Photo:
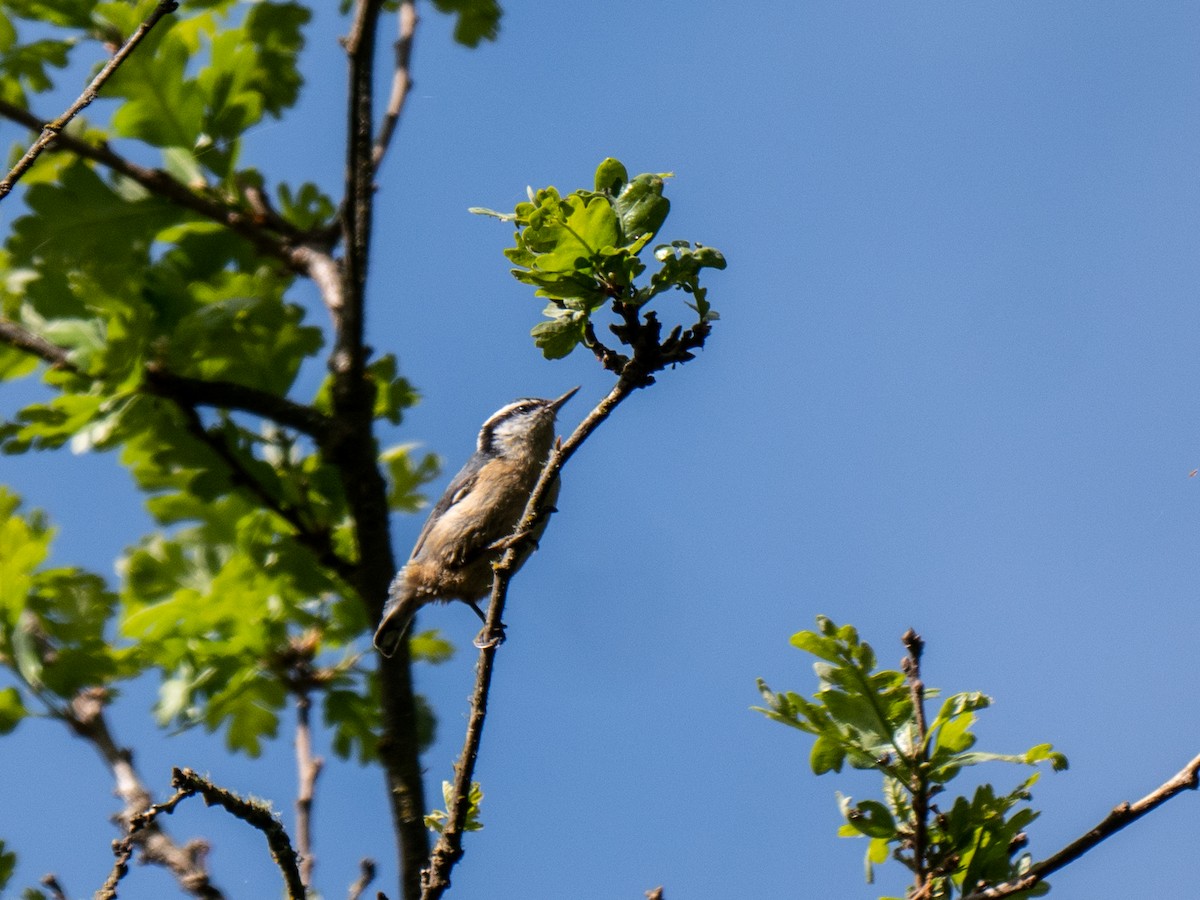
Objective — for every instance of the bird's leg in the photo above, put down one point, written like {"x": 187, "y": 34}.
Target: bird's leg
{"x": 486, "y": 639}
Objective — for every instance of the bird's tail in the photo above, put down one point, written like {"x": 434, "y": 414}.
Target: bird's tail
{"x": 398, "y": 614}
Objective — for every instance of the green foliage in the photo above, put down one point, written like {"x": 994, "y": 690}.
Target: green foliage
{"x": 585, "y": 251}
{"x": 8, "y": 862}
{"x": 52, "y": 620}
{"x": 870, "y": 719}
{"x": 437, "y": 819}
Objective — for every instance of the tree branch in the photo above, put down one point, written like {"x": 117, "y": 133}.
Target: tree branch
{"x": 918, "y": 784}
{"x": 354, "y": 450}
{"x": 290, "y": 249}
{"x": 1188, "y": 778}
{"x": 85, "y": 717}
{"x": 308, "y": 769}
{"x": 401, "y": 81}
{"x": 316, "y": 539}
{"x": 258, "y": 815}
{"x": 230, "y": 395}
{"x": 16, "y": 336}
{"x": 51, "y": 130}
{"x": 448, "y": 851}
{"x": 366, "y": 874}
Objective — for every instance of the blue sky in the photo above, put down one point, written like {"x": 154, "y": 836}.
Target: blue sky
{"x": 954, "y": 387}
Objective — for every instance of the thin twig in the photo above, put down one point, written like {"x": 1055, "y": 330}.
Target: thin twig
{"x": 15, "y": 336}
{"x": 51, "y": 883}
{"x": 449, "y": 850}
{"x": 1186, "y": 779}
{"x": 52, "y": 130}
{"x": 918, "y": 785}
{"x": 256, "y": 814}
{"x": 308, "y": 769}
{"x": 85, "y": 717}
{"x": 299, "y": 258}
{"x": 401, "y": 81}
{"x": 366, "y": 874}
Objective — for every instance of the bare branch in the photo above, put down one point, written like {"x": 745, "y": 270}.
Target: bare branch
{"x": 51, "y": 883}
{"x": 918, "y": 785}
{"x": 51, "y": 130}
{"x": 401, "y": 81}
{"x": 366, "y": 874}
{"x": 448, "y": 851}
{"x": 1187, "y": 779}
{"x": 230, "y": 395}
{"x": 85, "y": 717}
{"x": 258, "y": 815}
{"x": 308, "y": 769}
{"x": 16, "y": 336}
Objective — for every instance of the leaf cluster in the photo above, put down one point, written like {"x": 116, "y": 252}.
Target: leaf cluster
{"x": 873, "y": 719}
{"x": 176, "y": 344}
{"x": 586, "y": 251}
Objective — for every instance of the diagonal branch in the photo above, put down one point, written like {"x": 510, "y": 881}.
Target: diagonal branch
{"x": 290, "y": 248}
{"x": 315, "y": 538}
{"x": 51, "y": 130}
{"x": 16, "y": 336}
{"x": 85, "y": 717}
{"x": 231, "y": 395}
{"x": 449, "y": 850}
{"x": 1186, "y": 779}
{"x": 187, "y": 784}
{"x": 186, "y": 390}
{"x": 401, "y": 81}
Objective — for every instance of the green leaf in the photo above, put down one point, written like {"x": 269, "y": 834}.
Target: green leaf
{"x": 8, "y": 864}
{"x": 163, "y": 106}
{"x": 561, "y": 334}
{"x": 12, "y": 711}
{"x": 611, "y": 176}
{"x": 478, "y": 20}
{"x": 827, "y": 756}
{"x": 405, "y": 479}
{"x": 437, "y": 819}
{"x": 356, "y": 724}
{"x": 872, "y": 818}
{"x": 642, "y": 206}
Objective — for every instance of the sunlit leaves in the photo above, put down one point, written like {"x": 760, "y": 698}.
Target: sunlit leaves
{"x": 584, "y": 251}
{"x": 868, "y": 718}
{"x": 53, "y": 621}
{"x": 407, "y": 475}
{"x": 437, "y": 819}
{"x": 478, "y": 20}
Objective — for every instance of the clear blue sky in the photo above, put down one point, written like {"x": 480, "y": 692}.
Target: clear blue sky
{"x": 955, "y": 387}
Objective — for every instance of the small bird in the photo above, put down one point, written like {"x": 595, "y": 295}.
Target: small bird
{"x": 466, "y": 532}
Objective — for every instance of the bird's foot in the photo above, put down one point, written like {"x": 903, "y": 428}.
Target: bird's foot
{"x": 486, "y": 639}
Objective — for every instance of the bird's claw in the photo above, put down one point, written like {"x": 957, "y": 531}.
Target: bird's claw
{"x": 484, "y": 640}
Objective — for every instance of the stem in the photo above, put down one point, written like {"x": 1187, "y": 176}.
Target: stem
{"x": 918, "y": 785}
{"x": 308, "y": 769}
{"x": 1186, "y": 779}
{"x": 51, "y": 130}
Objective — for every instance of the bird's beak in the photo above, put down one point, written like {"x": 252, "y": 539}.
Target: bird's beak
{"x": 557, "y": 404}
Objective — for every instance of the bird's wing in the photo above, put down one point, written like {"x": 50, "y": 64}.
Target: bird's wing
{"x": 455, "y": 492}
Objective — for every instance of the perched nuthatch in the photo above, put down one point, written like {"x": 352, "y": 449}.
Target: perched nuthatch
{"x": 465, "y": 532}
